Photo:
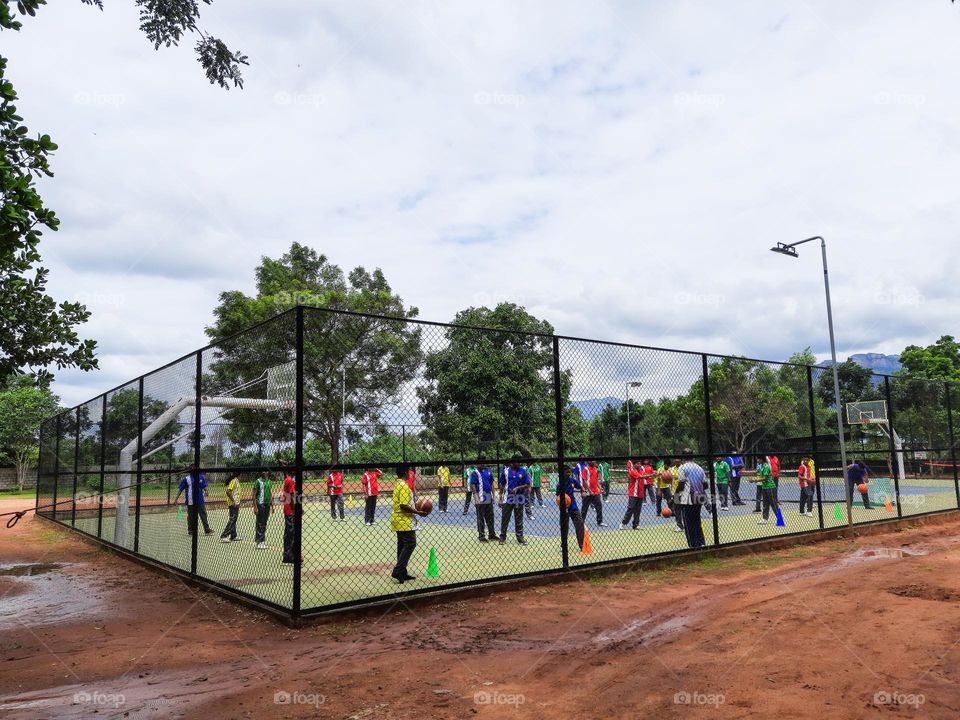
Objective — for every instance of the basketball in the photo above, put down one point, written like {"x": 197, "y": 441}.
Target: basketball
{"x": 566, "y": 497}
{"x": 666, "y": 475}
{"x": 424, "y": 505}
{"x": 666, "y": 512}
{"x": 862, "y": 487}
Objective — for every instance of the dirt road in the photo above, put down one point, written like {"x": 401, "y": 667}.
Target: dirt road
{"x": 856, "y": 628}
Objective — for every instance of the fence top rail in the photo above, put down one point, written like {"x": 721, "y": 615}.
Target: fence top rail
{"x": 433, "y": 323}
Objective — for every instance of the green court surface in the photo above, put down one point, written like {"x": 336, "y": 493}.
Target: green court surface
{"x": 349, "y": 561}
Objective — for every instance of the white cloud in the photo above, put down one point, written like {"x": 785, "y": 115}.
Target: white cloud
{"x": 620, "y": 167}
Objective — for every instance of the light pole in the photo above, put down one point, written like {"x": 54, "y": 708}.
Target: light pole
{"x": 629, "y": 433}
{"x": 790, "y": 250}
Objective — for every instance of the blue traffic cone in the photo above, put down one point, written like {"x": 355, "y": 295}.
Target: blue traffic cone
{"x": 780, "y": 522}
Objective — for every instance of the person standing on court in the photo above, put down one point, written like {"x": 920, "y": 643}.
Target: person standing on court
{"x": 290, "y": 500}
{"x": 229, "y": 533}
{"x": 370, "y": 492}
{"x": 775, "y": 472}
{"x": 481, "y": 484}
{"x": 635, "y": 494}
{"x": 592, "y": 492}
{"x": 767, "y": 490}
{"x": 443, "y": 487}
{"x": 335, "y": 491}
{"x": 690, "y": 497}
{"x": 649, "y": 481}
{"x": 467, "y": 488}
{"x": 721, "y": 471}
{"x": 568, "y": 486}
{"x": 535, "y": 471}
{"x": 736, "y": 475}
{"x": 514, "y": 484}
{"x": 262, "y": 502}
{"x": 402, "y": 514}
{"x": 806, "y": 487}
{"x": 604, "y": 468}
{"x": 195, "y": 496}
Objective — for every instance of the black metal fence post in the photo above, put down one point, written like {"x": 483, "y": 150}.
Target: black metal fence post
{"x": 558, "y": 418}
{"x": 136, "y": 519}
{"x": 953, "y": 442}
{"x": 298, "y": 470}
{"x": 56, "y": 468}
{"x": 813, "y": 442}
{"x": 36, "y": 489}
{"x": 76, "y": 466}
{"x": 894, "y": 457}
{"x": 103, "y": 461}
{"x": 197, "y": 407}
{"x": 707, "y": 415}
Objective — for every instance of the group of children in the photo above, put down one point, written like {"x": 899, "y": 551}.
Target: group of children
{"x": 194, "y": 489}
{"x": 682, "y": 487}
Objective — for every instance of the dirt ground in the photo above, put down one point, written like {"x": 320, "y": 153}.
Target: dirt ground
{"x": 866, "y": 627}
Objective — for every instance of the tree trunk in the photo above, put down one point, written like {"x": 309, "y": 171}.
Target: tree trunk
{"x": 335, "y": 442}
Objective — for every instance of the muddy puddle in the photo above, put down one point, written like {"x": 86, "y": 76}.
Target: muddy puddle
{"x": 46, "y": 593}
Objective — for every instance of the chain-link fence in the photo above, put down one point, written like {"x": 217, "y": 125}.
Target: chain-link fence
{"x": 275, "y": 465}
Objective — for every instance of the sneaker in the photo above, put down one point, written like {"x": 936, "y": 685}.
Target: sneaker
{"x": 225, "y": 540}
{"x": 236, "y": 539}
{"x": 208, "y": 532}
{"x": 493, "y": 538}
{"x": 623, "y": 526}
{"x": 678, "y": 529}
{"x": 483, "y": 539}
{"x": 602, "y": 525}
{"x": 521, "y": 541}
{"x": 725, "y": 509}
{"x": 368, "y": 524}
{"x": 761, "y": 521}
{"x": 261, "y": 546}
{"x": 757, "y": 510}
{"x": 502, "y": 541}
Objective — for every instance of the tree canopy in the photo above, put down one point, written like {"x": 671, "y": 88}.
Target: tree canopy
{"x": 489, "y": 391}
{"x": 23, "y": 406}
{"x": 354, "y": 366}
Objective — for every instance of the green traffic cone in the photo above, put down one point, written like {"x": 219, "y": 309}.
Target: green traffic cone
{"x": 179, "y": 512}
{"x": 837, "y": 512}
{"x": 432, "y": 569}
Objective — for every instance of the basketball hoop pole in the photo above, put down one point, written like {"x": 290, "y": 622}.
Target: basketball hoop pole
{"x": 790, "y": 250}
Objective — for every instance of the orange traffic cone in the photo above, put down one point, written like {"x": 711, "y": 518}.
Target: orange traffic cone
{"x": 888, "y": 504}
{"x": 587, "y": 548}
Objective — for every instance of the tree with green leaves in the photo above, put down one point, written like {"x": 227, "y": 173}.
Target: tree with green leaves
{"x": 36, "y": 331}
{"x": 919, "y": 393}
{"x": 939, "y": 361}
{"x": 355, "y": 366}
{"x": 23, "y": 406}
{"x": 490, "y": 392}
{"x": 856, "y": 384}
{"x": 749, "y": 404}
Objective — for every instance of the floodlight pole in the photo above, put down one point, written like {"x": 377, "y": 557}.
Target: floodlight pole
{"x": 790, "y": 250}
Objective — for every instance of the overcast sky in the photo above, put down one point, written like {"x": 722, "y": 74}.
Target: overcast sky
{"x": 620, "y": 169}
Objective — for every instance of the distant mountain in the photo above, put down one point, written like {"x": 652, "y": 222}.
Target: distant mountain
{"x": 879, "y": 363}
{"x": 876, "y": 362}
{"x": 594, "y": 406}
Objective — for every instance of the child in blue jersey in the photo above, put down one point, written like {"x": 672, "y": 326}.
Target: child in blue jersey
{"x": 481, "y": 487}
{"x": 195, "y": 494}
{"x": 514, "y": 484}
{"x": 736, "y": 474}
{"x": 569, "y": 485}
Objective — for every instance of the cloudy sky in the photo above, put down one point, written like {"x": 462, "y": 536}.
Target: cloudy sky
{"x": 619, "y": 168}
